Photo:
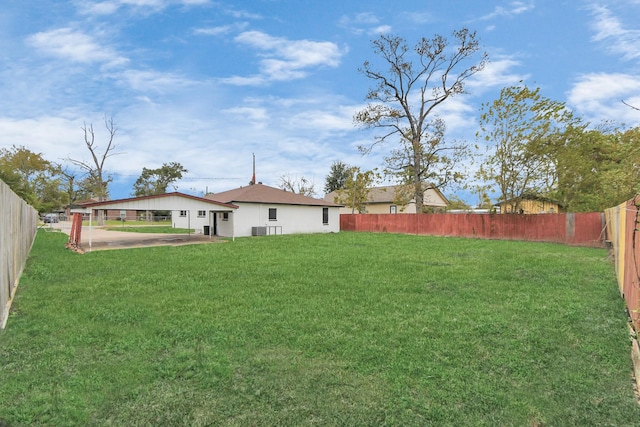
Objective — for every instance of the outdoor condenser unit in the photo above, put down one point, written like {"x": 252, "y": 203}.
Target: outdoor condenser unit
{"x": 259, "y": 231}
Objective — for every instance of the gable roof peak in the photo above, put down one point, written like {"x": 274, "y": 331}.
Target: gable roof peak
{"x": 261, "y": 193}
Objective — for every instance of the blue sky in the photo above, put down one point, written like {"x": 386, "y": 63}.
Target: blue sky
{"x": 207, "y": 83}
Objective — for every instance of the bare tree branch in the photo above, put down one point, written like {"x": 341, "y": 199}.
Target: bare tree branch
{"x": 630, "y": 106}
{"x": 95, "y": 169}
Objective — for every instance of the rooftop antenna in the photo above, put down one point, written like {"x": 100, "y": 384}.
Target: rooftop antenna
{"x": 253, "y": 177}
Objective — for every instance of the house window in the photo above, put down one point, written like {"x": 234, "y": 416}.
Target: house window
{"x": 202, "y": 214}
{"x": 183, "y": 213}
{"x": 325, "y": 216}
{"x": 273, "y": 214}
{"x": 393, "y": 209}
{"x": 225, "y": 216}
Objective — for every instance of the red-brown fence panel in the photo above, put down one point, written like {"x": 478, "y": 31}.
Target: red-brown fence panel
{"x": 584, "y": 229}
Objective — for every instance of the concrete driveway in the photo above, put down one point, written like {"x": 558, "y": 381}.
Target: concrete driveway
{"x": 97, "y": 238}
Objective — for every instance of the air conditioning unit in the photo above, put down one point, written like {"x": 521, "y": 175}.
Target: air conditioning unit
{"x": 259, "y": 231}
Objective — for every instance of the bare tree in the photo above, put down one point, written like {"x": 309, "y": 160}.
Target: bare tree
{"x": 95, "y": 183}
{"x": 302, "y": 186}
{"x": 404, "y": 99}
{"x": 95, "y": 168}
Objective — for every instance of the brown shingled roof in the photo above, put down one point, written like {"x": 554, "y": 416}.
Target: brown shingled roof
{"x": 159, "y": 196}
{"x": 384, "y": 194}
{"x": 260, "y": 193}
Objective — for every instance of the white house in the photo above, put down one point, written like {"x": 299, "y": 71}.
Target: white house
{"x": 252, "y": 210}
{"x": 268, "y": 210}
{"x": 187, "y": 211}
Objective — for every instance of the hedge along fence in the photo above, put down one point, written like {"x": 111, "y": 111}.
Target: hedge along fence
{"x": 18, "y": 227}
{"x": 582, "y": 229}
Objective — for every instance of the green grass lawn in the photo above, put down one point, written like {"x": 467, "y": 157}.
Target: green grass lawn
{"x": 348, "y": 329}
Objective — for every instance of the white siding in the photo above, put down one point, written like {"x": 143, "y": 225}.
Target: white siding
{"x": 291, "y": 218}
{"x": 225, "y": 228}
{"x": 170, "y": 203}
{"x": 191, "y": 220}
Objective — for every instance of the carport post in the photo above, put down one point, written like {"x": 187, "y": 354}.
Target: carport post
{"x": 90, "y": 226}
{"x": 82, "y": 211}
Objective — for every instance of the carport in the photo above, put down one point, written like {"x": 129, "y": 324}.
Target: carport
{"x": 187, "y": 211}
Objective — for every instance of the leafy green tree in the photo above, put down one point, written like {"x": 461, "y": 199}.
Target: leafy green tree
{"x": 15, "y": 181}
{"x": 515, "y": 128}
{"x": 456, "y": 203}
{"x": 32, "y": 177}
{"x": 441, "y": 163}
{"x": 404, "y": 99}
{"x": 596, "y": 168}
{"x": 77, "y": 187}
{"x": 156, "y": 181}
{"x": 338, "y": 175}
{"x": 51, "y": 194}
{"x": 355, "y": 193}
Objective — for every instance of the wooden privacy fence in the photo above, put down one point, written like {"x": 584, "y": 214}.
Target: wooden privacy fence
{"x": 622, "y": 232}
{"x": 583, "y": 229}
{"x": 18, "y": 226}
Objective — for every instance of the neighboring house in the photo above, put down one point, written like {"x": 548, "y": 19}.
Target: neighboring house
{"x": 127, "y": 215}
{"x": 531, "y": 205}
{"x": 268, "y": 210}
{"x": 187, "y": 211}
{"x": 384, "y": 200}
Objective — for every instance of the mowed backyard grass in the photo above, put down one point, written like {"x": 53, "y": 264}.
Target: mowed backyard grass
{"x": 339, "y": 329}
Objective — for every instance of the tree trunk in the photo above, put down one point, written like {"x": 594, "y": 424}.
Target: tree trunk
{"x": 417, "y": 181}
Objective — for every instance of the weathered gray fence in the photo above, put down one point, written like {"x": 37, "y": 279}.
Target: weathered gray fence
{"x": 18, "y": 227}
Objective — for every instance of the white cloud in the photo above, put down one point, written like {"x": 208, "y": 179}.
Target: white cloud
{"x": 514, "y": 8}
{"x": 254, "y": 80}
{"x": 602, "y": 86}
{"x": 324, "y": 122}
{"x": 611, "y": 32}
{"x": 496, "y": 73}
{"x": 417, "y": 17}
{"x": 258, "y": 116}
{"x": 154, "y": 81}
{"x": 98, "y": 8}
{"x": 364, "y": 22}
{"x": 598, "y": 97}
{"x": 109, "y": 7}
{"x": 43, "y": 132}
{"x": 242, "y": 14}
{"x": 364, "y": 18}
{"x": 382, "y": 29}
{"x": 74, "y": 45}
{"x": 286, "y": 59}
{"x": 220, "y": 30}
